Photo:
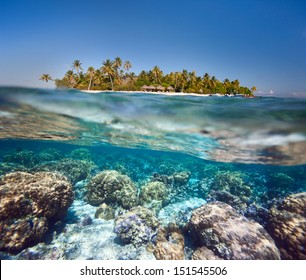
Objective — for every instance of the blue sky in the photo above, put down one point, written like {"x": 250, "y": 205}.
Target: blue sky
{"x": 259, "y": 42}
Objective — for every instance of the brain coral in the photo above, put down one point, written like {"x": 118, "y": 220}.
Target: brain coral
{"x": 229, "y": 235}
{"x": 29, "y": 202}
{"x": 287, "y": 226}
{"x": 111, "y": 187}
{"x": 153, "y": 191}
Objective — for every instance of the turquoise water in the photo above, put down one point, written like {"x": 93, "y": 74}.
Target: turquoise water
{"x": 198, "y": 147}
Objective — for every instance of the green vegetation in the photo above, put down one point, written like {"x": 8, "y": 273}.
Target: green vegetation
{"x": 115, "y": 75}
{"x": 45, "y": 77}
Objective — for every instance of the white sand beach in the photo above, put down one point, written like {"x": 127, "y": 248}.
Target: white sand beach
{"x": 154, "y": 92}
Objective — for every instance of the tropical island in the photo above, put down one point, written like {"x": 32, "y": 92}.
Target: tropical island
{"x": 115, "y": 75}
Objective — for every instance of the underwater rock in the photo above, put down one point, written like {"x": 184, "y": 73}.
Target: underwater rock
{"x": 169, "y": 244}
{"x": 86, "y": 221}
{"x": 229, "y": 235}
{"x": 280, "y": 185}
{"x": 203, "y": 253}
{"x": 112, "y": 188}
{"x": 153, "y": 195}
{"x": 136, "y": 226}
{"x": 105, "y": 212}
{"x": 29, "y": 202}
{"x": 287, "y": 226}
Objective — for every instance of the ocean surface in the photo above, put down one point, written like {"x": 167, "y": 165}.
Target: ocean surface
{"x": 248, "y": 153}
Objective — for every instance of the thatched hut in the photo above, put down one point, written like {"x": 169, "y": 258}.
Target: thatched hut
{"x": 160, "y": 88}
{"x": 145, "y": 88}
{"x": 152, "y": 88}
{"x": 170, "y": 88}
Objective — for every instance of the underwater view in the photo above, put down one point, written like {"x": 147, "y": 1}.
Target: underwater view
{"x": 135, "y": 176}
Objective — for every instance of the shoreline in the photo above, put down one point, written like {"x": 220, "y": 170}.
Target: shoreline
{"x": 162, "y": 93}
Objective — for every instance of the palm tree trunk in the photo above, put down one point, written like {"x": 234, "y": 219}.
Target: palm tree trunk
{"x": 111, "y": 80}
{"x": 89, "y": 84}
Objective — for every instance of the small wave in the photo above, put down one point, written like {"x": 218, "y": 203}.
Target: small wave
{"x": 220, "y": 129}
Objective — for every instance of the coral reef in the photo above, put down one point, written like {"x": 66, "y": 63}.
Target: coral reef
{"x": 105, "y": 212}
{"x": 203, "y": 253}
{"x": 233, "y": 183}
{"x": 169, "y": 244}
{"x": 94, "y": 241}
{"x": 74, "y": 170}
{"x": 287, "y": 226}
{"x": 136, "y": 226}
{"x": 181, "y": 178}
{"x": 153, "y": 195}
{"x": 29, "y": 202}
{"x": 178, "y": 185}
{"x": 112, "y": 188}
{"x": 165, "y": 179}
{"x": 7, "y": 167}
{"x": 22, "y": 157}
{"x": 229, "y": 199}
{"x": 80, "y": 154}
{"x": 280, "y": 184}
{"x": 153, "y": 191}
{"x": 229, "y": 235}
{"x": 104, "y": 222}
{"x": 50, "y": 154}
{"x": 258, "y": 213}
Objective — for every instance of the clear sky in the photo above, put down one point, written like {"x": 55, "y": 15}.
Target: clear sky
{"x": 259, "y": 42}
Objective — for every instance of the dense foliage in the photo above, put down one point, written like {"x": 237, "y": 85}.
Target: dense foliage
{"x": 115, "y": 75}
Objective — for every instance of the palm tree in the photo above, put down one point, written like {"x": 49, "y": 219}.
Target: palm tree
{"x": 253, "y": 88}
{"x": 213, "y": 82}
{"x": 117, "y": 62}
{"x": 98, "y": 77}
{"x": 77, "y": 65}
{"x": 235, "y": 86}
{"x": 132, "y": 77}
{"x": 176, "y": 77}
{"x": 127, "y": 66}
{"x": 157, "y": 73}
{"x": 70, "y": 76}
{"x": 192, "y": 77}
{"x": 45, "y": 77}
{"x": 91, "y": 73}
{"x": 184, "y": 79}
{"x": 109, "y": 69}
